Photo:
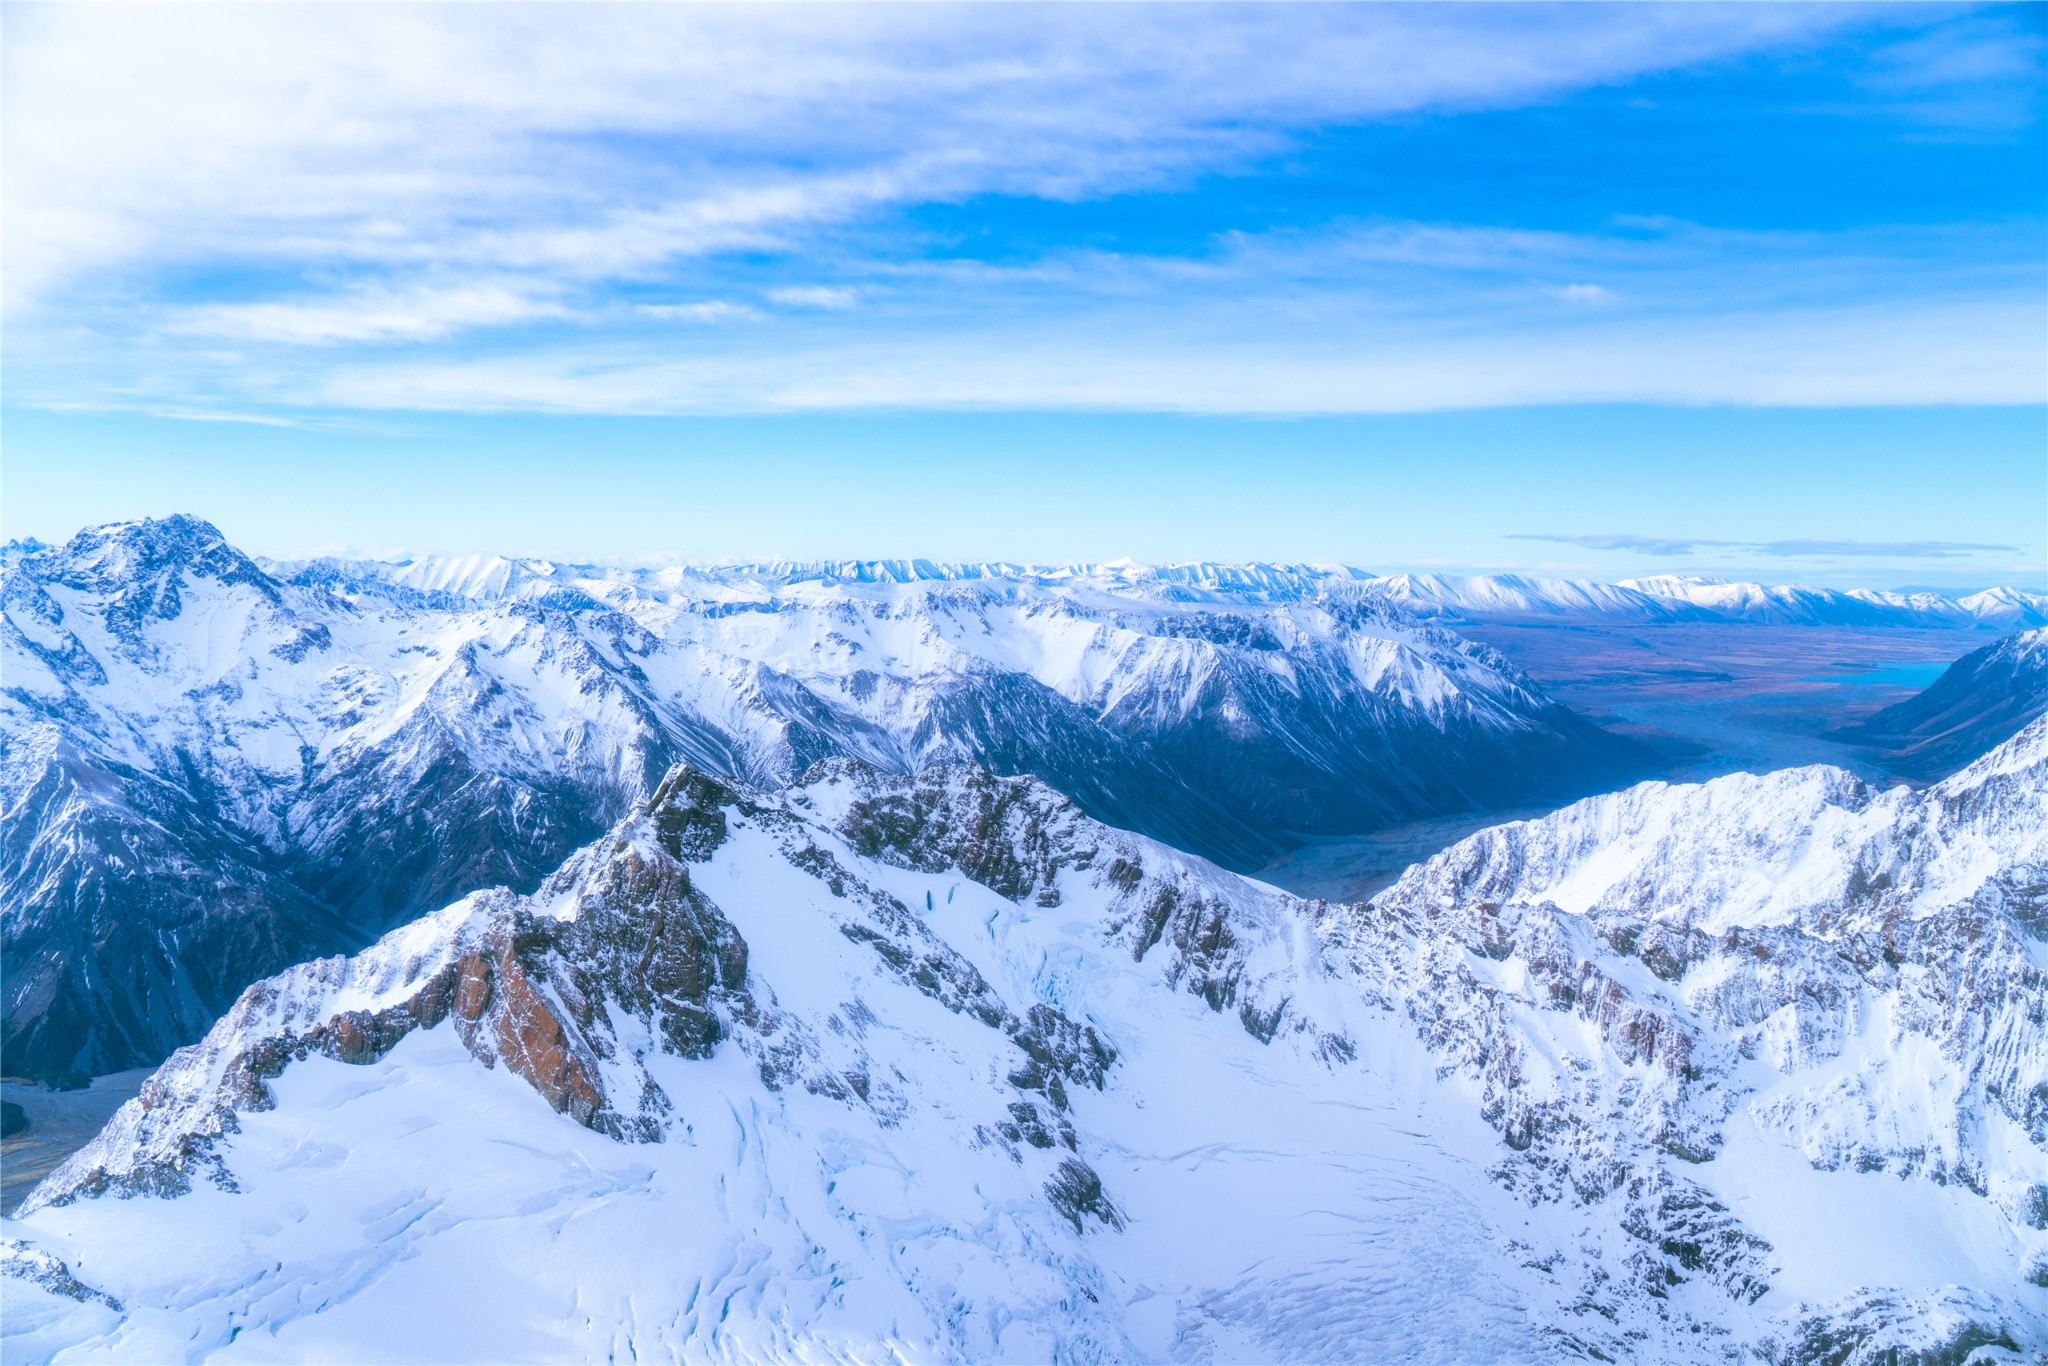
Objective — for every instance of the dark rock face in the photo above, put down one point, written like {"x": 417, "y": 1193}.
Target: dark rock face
{"x": 1982, "y": 701}
{"x": 132, "y": 916}
{"x": 1308, "y": 753}
{"x": 13, "y": 1119}
{"x": 970, "y": 819}
{"x": 1076, "y": 1191}
{"x": 1887, "y": 1331}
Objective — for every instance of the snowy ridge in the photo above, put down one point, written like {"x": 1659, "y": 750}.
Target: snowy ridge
{"x": 1857, "y": 976}
{"x": 1496, "y": 596}
{"x": 351, "y": 745}
{"x": 939, "y": 1066}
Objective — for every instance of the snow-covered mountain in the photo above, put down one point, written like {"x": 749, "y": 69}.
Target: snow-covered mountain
{"x": 1515, "y": 597}
{"x": 212, "y": 768}
{"x": 2004, "y": 609}
{"x": 937, "y": 1066}
{"x": 1982, "y": 699}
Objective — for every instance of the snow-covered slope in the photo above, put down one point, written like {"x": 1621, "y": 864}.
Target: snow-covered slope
{"x": 937, "y": 1066}
{"x": 1983, "y": 698}
{"x": 212, "y": 768}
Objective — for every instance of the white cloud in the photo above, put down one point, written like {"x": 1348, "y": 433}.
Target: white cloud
{"x": 709, "y": 311}
{"x": 368, "y": 315}
{"x": 1867, "y": 356}
{"x": 828, "y": 297}
{"x": 1585, "y": 294}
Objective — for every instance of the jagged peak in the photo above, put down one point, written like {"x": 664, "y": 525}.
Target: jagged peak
{"x": 135, "y": 559}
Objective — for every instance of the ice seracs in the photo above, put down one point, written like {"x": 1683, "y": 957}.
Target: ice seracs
{"x": 937, "y": 1065}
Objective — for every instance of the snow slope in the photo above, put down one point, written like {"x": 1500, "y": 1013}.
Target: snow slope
{"x": 211, "y": 770}
{"x": 937, "y": 1066}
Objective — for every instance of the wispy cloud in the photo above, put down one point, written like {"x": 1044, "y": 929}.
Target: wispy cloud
{"x": 369, "y": 315}
{"x": 832, "y": 297}
{"x": 1295, "y": 357}
{"x": 1809, "y": 547}
{"x": 553, "y": 138}
{"x": 706, "y": 311}
{"x": 510, "y": 208}
{"x": 1909, "y": 550}
{"x": 1585, "y": 294}
{"x": 1642, "y": 545}
{"x": 306, "y": 424}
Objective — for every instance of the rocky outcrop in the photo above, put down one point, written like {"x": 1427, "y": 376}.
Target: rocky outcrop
{"x": 619, "y": 935}
{"x": 19, "y": 1261}
{"x": 538, "y": 985}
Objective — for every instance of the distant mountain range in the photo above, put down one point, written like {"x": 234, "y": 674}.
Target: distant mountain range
{"x": 1496, "y": 597}
{"x": 1665, "y": 597}
{"x": 1673, "y": 598}
{"x": 934, "y": 1066}
{"x": 214, "y": 767}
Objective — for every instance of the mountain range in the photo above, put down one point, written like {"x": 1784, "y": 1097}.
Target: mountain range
{"x": 1485, "y": 597}
{"x": 936, "y": 1065}
{"x": 1672, "y": 598}
{"x": 213, "y": 767}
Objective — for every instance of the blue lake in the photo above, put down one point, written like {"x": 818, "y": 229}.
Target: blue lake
{"x": 1889, "y": 675}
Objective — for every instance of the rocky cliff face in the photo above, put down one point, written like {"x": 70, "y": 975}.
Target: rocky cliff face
{"x": 1754, "y": 1067}
{"x": 211, "y": 770}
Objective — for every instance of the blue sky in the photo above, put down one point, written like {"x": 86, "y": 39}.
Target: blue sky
{"x": 1751, "y": 289}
